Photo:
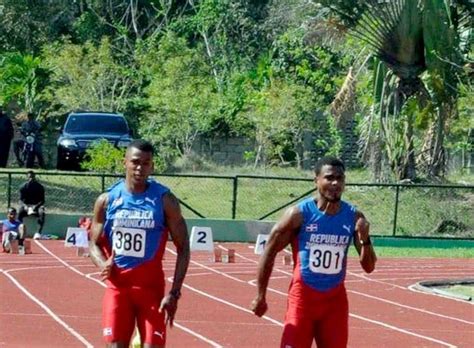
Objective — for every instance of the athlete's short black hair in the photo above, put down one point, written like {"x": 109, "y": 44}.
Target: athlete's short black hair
{"x": 11, "y": 210}
{"x": 330, "y": 161}
{"x": 142, "y": 145}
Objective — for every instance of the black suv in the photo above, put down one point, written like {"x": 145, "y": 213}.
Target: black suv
{"x": 83, "y": 129}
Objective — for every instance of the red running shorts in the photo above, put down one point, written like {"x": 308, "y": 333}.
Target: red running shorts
{"x": 123, "y": 306}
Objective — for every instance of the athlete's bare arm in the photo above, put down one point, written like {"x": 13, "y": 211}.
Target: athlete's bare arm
{"x": 97, "y": 230}
{"x": 280, "y": 236}
{"x": 179, "y": 233}
{"x": 363, "y": 243}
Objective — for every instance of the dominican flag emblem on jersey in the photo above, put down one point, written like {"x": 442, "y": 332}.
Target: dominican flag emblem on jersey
{"x": 311, "y": 228}
{"x": 107, "y": 331}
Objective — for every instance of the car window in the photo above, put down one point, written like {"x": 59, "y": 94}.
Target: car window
{"x": 96, "y": 124}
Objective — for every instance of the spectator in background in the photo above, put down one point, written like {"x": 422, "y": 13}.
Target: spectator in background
{"x": 6, "y": 136}
{"x": 31, "y": 126}
{"x": 32, "y": 200}
{"x": 12, "y": 229}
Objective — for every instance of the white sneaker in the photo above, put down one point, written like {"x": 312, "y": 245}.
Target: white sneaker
{"x": 37, "y": 236}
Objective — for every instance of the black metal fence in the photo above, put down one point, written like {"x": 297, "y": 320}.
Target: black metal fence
{"x": 392, "y": 209}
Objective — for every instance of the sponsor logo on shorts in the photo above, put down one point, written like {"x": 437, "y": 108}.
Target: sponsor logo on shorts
{"x": 107, "y": 331}
{"x": 158, "y": 334}
{"x": 311, "y": 228}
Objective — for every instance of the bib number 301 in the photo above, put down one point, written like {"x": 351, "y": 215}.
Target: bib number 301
{"x": 326, "y": 259}
{"x": 129, "y": 242}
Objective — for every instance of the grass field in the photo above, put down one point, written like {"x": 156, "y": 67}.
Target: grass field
{"x": 383, "y": 252}
{"x": 420, "y": 210}
{"x": 466, "y": 290}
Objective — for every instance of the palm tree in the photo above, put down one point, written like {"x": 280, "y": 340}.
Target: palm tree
{"x": 20, "y": 80}
{"x": 420, "y": 48}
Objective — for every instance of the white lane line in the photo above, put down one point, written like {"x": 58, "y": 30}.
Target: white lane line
{"x": 91, "y": 277}
{"x": 410, "y": 307}
{"x": 218, "y": 299}
{"x": 58, "y": 258}
{"x": 191, "y": 332}
{"x": 375, "y": 280}
{"x": 367, "y": 319}
{"x": 403, "y": 331}
{"x": 221, "y": 300}
{"x": 424, "y": 277}
{"x": 409, "y": 288}
{"x": 254, "y": 283}
{"x": 48, "y": 310}
{"x": 209, "y": 268}
{"x": 253, "y": 261}
{"x": 414, "y": 289}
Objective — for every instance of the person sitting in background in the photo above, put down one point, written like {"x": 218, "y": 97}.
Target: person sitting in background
{"x": 32, "y": 201}
{"x": 12, "y": 229}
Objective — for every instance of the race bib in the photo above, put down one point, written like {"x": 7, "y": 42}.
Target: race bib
{"x": 326, "y": 259}
{"x": 129, "y": 241}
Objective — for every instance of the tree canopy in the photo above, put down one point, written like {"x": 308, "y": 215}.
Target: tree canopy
{"x": 271, "y": 71}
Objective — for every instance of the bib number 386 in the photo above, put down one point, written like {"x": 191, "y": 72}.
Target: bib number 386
{"x": 129, "y": 242}
{"x": 326, "y": 259}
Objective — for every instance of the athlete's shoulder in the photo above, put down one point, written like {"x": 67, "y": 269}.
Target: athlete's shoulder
{"x": 156, "y": 187}
{"x": 307, "y": 205}
{"x": 117, "y": 186}
{"x": 349, "y": 206}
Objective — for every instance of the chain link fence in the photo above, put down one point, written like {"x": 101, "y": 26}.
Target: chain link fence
{"x": 394, "y": 210}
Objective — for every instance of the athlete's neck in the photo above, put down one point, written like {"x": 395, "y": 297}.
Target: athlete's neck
{"x": 136, "y": 186}
{"x": 328, "y": 207}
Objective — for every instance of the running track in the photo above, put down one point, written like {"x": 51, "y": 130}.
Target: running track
{"x": 52, "y": 298}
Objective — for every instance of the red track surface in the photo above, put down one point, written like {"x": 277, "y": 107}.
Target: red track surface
{"x": 52, "y": 298}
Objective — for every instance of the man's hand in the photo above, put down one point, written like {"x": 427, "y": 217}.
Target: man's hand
{"x": 362, "y": 229}
{"x": 106, "y": 269}
{"x": 169, "y": 303}
{"x": 259, "y": 306}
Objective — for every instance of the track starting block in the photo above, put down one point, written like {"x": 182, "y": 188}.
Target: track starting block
{"x": 229, "y": 256}
{"x": 82, "y": 252}
{"x": 217, "y": 255}
{"x": 14, "y": 248}
{"x": 287, "y": 259}
{"x": 27, "y": 246}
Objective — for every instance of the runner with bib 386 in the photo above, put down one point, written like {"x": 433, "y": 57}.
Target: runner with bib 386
{"x": 130, "y": 229}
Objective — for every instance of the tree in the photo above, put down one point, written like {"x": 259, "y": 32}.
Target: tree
{"x": 21, "y": 80}
{"x": 25, "y": 25}
{"x": 281, "y": 112}
{"x": 182, "y": 97}
{"x": 419, "y": 47}
{"x": 87, "y": 77}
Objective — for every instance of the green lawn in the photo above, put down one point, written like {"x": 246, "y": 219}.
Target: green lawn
{"x": 466, "y": 290}
{"x": 420, "y": 210}
{"x": 383, "y": 252}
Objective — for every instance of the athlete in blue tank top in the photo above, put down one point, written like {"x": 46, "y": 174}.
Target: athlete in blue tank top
{"x": 128, "y": 238}
{"x": 12, "y": 229}
{"x": 322, "y": 243}
{"x": 320, "y": 231}
{"x": 135, "y": 223}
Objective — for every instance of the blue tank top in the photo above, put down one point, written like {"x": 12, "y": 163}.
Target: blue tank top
{"x": 9, "y": 226}
{"x": 135, "y": 223}
{"x": 322, "y": 244}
